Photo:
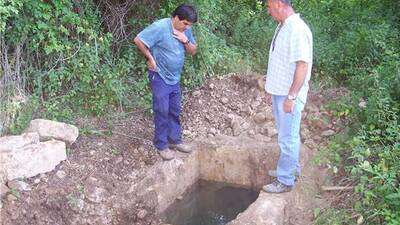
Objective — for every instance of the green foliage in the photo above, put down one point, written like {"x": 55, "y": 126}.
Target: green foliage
{"x": 24, "y": 115}
{"x": 362, "y": 51}
{"x": 226, "y": 43}
{"x": 332, "y": 217}
{"x": 8, "y": 8}
{"x": 227, "y": 35}
{"x": 70, "y": 65}
{"x": 69, "y": 61}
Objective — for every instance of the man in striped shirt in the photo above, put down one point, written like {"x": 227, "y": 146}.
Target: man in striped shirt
{"x": 289, "y": 70}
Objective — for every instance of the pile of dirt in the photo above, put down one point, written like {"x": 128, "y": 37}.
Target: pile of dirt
{"x": 113, "y": 153}
{"x": 215, "y": 107}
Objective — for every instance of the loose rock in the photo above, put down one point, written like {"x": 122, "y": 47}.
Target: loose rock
{"x": 18, "y": 185}
{"x": 61, "y": 174}
{"x": 142, "y": 214}
{"x": 224, "y": 100}
{"x": 11, "y": 198}
{"x": 48, "y": 130}
{"x": 260, "y": 117}
{"x": 327, "y": 133}
{"x": 34, "y": 159}
{"x": 3, "y": 190}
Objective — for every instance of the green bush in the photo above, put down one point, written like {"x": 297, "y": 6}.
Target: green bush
{"x": 356, "y": 43}
{"x": 68, "y": 58}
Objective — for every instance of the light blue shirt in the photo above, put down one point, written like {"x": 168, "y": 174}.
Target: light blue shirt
{"x": 168, "y": 52}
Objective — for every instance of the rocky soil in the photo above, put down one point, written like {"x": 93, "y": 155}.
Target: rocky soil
{"x": 113, "y": 153}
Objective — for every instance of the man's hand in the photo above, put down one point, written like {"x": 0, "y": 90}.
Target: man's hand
{"x": 151, "y": 65}
{"x": 189, "y": 47}
{"x": 288, "y": 106}
{"x": 180, "y": 36}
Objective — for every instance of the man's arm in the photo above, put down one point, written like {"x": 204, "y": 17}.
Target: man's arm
{"x": 151, "y": 63}
{"x": 190, "y": 48}
{"x": 298, "y": 81}
{"x": 299, "y": 77}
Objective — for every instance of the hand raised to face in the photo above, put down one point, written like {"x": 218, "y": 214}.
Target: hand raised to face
{"x": 180, "y": 36}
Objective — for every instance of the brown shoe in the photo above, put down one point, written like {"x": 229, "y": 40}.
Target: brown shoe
{"x": 166, "y": 154}
{"x": 181, "y": 147}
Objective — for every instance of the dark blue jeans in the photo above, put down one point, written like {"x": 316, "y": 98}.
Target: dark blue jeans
{"x": 167, "y": 109}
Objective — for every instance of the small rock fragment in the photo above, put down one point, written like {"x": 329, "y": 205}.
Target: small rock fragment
{"x": 224, "y": 100}
{"x": 61, "y": 174}
{"x": 327, "y": 133}
{"x": 3, "y": 190}
{"x": 18, "y": 185}
{"x": 142, "y": 214}
{"x": 11, "y": 198}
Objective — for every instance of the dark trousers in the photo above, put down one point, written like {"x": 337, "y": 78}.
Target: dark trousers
{"x": 167, "y": 109}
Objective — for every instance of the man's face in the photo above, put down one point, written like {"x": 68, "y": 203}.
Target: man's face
{"x": 182, "y": 25}
{"x": 274, "y": 8}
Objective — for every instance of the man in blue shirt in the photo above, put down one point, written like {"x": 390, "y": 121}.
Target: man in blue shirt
{"x": 164, "y": 44}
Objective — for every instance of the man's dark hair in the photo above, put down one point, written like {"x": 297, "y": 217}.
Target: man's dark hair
{"x": 287, "y": 2}
{"x": 186, "y": 12}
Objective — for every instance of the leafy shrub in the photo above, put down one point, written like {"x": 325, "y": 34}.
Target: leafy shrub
{"x": 361, "y": 51}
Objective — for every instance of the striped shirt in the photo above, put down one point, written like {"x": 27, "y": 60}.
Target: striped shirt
{"x": 292, "y": 42}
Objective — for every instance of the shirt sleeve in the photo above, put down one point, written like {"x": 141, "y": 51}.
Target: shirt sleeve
{"x": 151, "y": 35}
{"x": 190, "y": 36}
{"x": 300, "y": 47}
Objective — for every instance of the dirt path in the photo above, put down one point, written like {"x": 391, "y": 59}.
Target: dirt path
{"x": 111, "y": 154}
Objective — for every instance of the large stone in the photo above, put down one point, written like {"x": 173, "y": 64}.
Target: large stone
{"x": 268, "y": 209}
{"x": 33, "y": 159}
{"x": 9, "y": 143}
{"x": 13, "y": 143}
{"x": 48, "y": 129}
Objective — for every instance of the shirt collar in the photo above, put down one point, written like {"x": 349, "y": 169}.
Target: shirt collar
{"x": 291, "y": 18}
{"x": 171, "y": 26}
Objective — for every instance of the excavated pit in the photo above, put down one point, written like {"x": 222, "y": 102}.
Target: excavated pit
{"x": 234, "y": 161}
{"x": 209, "y": 203}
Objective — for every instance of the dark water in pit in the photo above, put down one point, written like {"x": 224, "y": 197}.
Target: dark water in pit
{"x": 209, "y": 203}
